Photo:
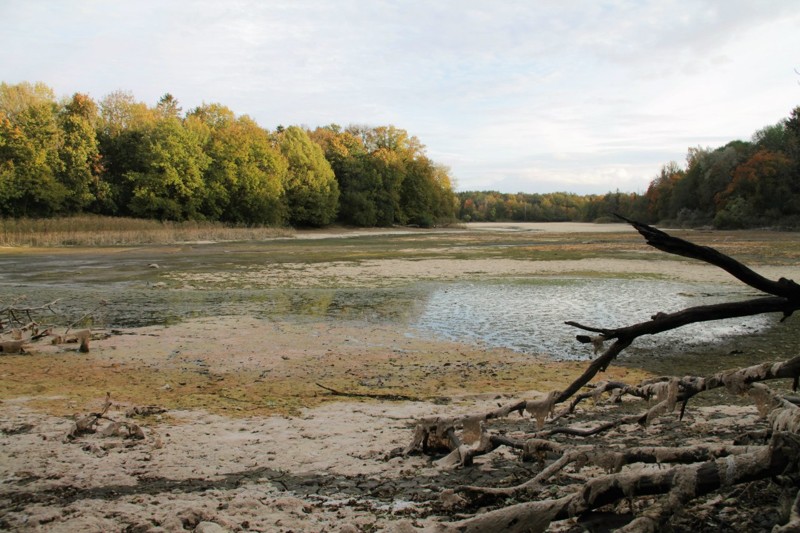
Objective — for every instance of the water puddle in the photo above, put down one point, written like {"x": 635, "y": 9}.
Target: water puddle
{"x": 523, "y": 315}
{"x": 529, "y": 317}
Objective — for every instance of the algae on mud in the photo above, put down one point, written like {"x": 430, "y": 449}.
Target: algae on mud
{"x": 247, "y": 367}
{"x": 249, "y": 327}
{"x": 212, "y": 457}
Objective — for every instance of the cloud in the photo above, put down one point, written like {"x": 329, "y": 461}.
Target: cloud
{"x": 519, "y": 94}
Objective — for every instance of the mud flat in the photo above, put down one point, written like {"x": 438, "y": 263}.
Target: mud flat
{"x": 244, "y": 438}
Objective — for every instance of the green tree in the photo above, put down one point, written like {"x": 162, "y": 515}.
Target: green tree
{"x": 659, "y": 193}
{"x": 763, "y": 191}
{"x": 773, "y": 138}
{"x": 167, "y": 107}
{"x": 387, "y": 174}
{"x": 16, "y": 99}
{"x": 445, "y": 203}
{"x": 376, "y": 186}
{"x": 169, "y": 184}
{"x": 385, "y": 178}
{"x": 79, "y": 152}
{"x": 358, "y": 177}
{"x": 312, "y": 193}
{"x": 693, "y": 199}
{"x": 120, "y": 112}
{"x": 793, "y": 138}
{"x": 29, "y": 162}
{"x": 124, "y": 128}
{"x": 417, "y": 193}
{"x": 390, "y": 138}
{"x": 244, "y": 179}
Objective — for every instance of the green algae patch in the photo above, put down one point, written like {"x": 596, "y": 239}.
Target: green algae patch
{"x": 252, "y": 327}
{"x": 246, "y": 367}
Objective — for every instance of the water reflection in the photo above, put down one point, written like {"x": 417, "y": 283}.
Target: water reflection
{"x": 526, "y": 316}
{"x": 529, "y": 317}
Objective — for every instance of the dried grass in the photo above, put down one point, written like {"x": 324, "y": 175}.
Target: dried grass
{"x": 111, "y": 231}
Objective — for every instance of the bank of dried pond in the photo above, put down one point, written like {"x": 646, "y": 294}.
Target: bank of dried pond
{"x": 245, "y": 367}
{"x": 227, "y": 356}
{"x": 284, "y": 313}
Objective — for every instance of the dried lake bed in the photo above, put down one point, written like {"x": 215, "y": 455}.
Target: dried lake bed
{"x": 231, "y": 337}
{"x": 473, "y": 285}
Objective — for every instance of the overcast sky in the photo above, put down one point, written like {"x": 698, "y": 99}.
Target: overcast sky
{"x": 529, "y": 95}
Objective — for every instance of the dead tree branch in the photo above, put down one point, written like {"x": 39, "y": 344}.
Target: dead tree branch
{"x": 708, "y": 468}
{"x": 88, "y": 424}
{"x": 24, "y": 327}
{"x": 783, "y": 288}
{"x": 683, "y": 483}
{"x": 13, "y": 313}
{"x": 374, "y": 396}
{"x": 611, "y": 460}
{"x": 785, "y": 299}
{"x": 662, "y": 322}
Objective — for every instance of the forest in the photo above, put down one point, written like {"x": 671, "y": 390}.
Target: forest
{"x": 120, "y": 157}
{"x": 743, "y": 184}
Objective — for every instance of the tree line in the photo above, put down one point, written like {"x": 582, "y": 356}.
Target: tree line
{"x": 742, "y": 184}
{"x": 492, "y": 206}
{"x": 121, "y": 157}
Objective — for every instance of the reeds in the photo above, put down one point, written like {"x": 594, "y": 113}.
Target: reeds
{"x": 113, "y": 231}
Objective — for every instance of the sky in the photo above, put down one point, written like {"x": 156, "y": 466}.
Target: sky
{"x": 582, "y": 96}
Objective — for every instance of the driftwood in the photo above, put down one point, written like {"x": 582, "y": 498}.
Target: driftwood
{"x": 82, "y": 336}
{"x": 23, "y": 326}
{"x": 695, "y": 470}
{"x": 19, "y": 324}
{"x": 89, "y": 424}
{"x": 679, "y": 485}
{"x": 13, "y": 346}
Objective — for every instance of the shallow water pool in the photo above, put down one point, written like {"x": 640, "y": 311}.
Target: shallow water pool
{"x": 530, "y": 317}
{"x": 523, "y": 315}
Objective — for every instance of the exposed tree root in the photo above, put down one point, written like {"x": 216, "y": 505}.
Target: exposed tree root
{"x": 680, "y": 483}
{"x": 711, "y": 468}
{"x": 793, "y": 525}
{"x": 90, "y": 424}
{"x": 694, "y": 471}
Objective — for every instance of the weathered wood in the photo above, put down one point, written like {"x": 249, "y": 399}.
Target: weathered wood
{"x": 685, "y": 482}
{"x": 786, "y": 299}
{"x": 13, "y": 346}
{"x": 676, "y": 485}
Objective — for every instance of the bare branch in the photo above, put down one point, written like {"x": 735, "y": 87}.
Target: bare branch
{"x": 468, "y": 436}
{"x": 390, "y": 397}
{"x": 658, "y": 239}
